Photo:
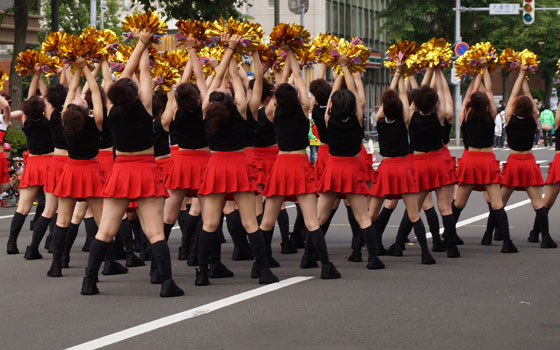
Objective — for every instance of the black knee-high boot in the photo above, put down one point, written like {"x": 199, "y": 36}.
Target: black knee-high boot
{"x": 193, "y": 255}
{"x": 325, "y": 226}
{"x": 260, "y": 268}
{"x": 206, "y": 242}
{"x": 97, "y": 252}
{"x": 420, "y": 232}
{"x": 380, "y": 224}
{"x": 38, "y": 210}
{"x": 490, "y": 227}
{"x": 50, "y": 234}
{"x": 369, "y": 237}
{"x": 162, "y": 258}
{"x": 39, "y": 229}
{"x": 542, "y": 218}
{"x": 128, "y": 242}
{"x": 328, "y": 271}
{"x": 111, "y": 267}
{"x": 450, "y": 241}
{"x": 502, "y": 224}
{"x": 58, "y": 242}
{"x": 308, "y": 259}
{"x": 187, "y": 231}
{"x": 15, "y": 228}
{"x": 118, "y": 246}
{"x": 357, "y": 239}
{"x": 167, "y": 230}
{"x": 181, "y": 218}
{"x": 145, "y": 253}
{"x": 216, "y": 268}
{"x": 91, "y": 231}
{"x": 457, "y": 214}
{"x": 241, "y": 248}
{"x": 535, "y": 232}
{"x": 272, "y": 263}
{"x": 397, "y": 248}
{"x": 71, "y": 233}
{"x": 298, "y": 234}
{"x": 433, "y": 224}
{"x": 286, "y": 245}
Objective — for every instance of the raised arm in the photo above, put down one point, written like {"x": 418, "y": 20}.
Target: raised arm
{"x": 170, "y": 110}
{"x": 240, "y": 98}
{"x": 441, "y": 107}
{"x": 144, "y": 38}
{"x": 243, "y": 76}
{"x": 222, "y": 67}
{"x": 287, "y": 72}
{"x": 195, "y": 64}
{"x": 527, "y": 92}
{"x": 145, "y": 88}
{"x": 107, "y": 78}
{"x": 449, "y": 111}
{"x": 95, "y": 97}
{"x": 412, "y": 82}
{"x": 510, "y": 107}
{"x": 428, "y": 76}
{"x": 255, "y": 100}
{"x": 34, "y": 81}
{"x": 73, "y": 87}
{"x": 361, "y": 96}
{"x": 300, "y": 84}
{"x": 488, "y": 87}
{"x": 403, "y": 95}
{"x": 322, "y": 71}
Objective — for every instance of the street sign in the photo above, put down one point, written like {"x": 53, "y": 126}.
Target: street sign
{"x": 504, "y": 9}
{"x": 374, "y": 60}
{"x": 461, "y": 48}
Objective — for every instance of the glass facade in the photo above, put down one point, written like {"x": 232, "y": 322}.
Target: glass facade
{"x": 350, "y": 18}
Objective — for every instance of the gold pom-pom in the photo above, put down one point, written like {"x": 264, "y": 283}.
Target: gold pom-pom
{"x": 463, "y": 68}
{"x": 322, "y": 44}
{"x": 51, "y": 44}
{"x": 558, "y": 67}
{"x": 530, "y": 59}
{"x": 3, "y": 78}
{"x": 433, "y": 53}
{"x": 164, "y": 77}
{"x": 507, "y": 57}
{"x": 510, "y": 60}
{"x": 110, "y": 40}
{"x": 206, "y": 54}
{"x": 408, "y": 50}
{"x": 191, "y": 27}
{"x": 356, "y": 53}
{"x": 292, "y": 35}
{"x": 175, "y": 58}
{"x": 27, "y": 60}
{"x": 266, "y": 55}
{"x": 149, "y": 21}
{"x": 483, "y": 50}
{"x": 306, "y": 57}
{"x": 251, "y": 33}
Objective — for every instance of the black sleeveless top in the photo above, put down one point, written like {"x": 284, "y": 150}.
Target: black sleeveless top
{"x": 425, "y": 132}
{"x": 464, "y": 133}
{"x": 265, "y": 134}
{"x": 345, "y": 137}
{"x": 556, "y": 139}
{"x": 229, "y": 137}
{"x": 38, "y": 136}
{"x": 292, "y": 129}
{"x": 106, "y": 137}
{"x": 172, "y": 134}
{"x": 57, "y": 134}
{"x": 85, "y": 144}
{"x": 189, "y": 129}
{"x": 161, "y": 140}
{"x": 132, "y": 131}
{"x": 521, "y": 133}
{"x": 445, "y": 132}
{"x": 479, "y": 131}
{"x": 393, "y": 138}
{"x": 318, "y": 115}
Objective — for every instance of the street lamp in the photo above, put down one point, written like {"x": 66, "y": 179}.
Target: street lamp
{"x": 299, "y": 7}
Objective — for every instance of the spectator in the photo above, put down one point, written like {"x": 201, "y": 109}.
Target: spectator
{"x": 498, "y": 129}
{"x": 314, "y": 141}
{"x": 547, "y": 125}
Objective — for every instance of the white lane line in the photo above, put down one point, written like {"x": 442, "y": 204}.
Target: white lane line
{"x": 11, "y": 216}
{"x": 185, "y": 315}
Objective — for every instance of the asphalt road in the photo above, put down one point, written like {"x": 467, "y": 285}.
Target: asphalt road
{"x": 484, "y": 300}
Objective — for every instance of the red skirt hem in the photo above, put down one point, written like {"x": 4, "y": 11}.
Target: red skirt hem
{"x": 553, "y": 176}
{"x": 292, "y": 175}
{"x": 4, "y": 165}
{"x": 80, "y": 179}
{"x": 264, "y": 157}
{"x": 478, "y": 169}
{"x": 321, "y": 160}
{"x": 366, "y": 161}
{"x": 395, "y": 177}
{"x": 55, "y": 171}
{"x": 105, "y": 159}
{"x": 164, "y": 165}
{"x": 187, "y": 170}
{"x": 433, "y": 170}
{"x": 343, "y": 175}
{"x": 521, "y": 171}
{"x": 35, "y": 171}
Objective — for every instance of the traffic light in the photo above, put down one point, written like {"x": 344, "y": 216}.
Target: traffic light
{"x": 528, "y": 11}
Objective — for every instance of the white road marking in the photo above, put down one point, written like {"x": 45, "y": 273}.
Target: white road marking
{"x": 185, "y": 315}
{"x": 11, "y": 216}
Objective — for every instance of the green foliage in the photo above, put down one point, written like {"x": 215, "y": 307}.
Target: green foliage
{"x": 196, "y": 9}
{"x": 538, "y": 94}
{"x": 16, "y": 138}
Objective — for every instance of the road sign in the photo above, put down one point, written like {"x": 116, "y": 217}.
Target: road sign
{"x": 461, "y": 48}
{"x": 504, "y": 9}
{"x": 528, "y": 11}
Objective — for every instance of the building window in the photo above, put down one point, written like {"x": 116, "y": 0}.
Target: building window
{"x": 270, "y": 4}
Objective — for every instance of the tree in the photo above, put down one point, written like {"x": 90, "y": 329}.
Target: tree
{"x": 205, "y": 10}
{"x": 21, "y": 12}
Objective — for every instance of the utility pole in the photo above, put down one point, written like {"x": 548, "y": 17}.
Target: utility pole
{"x": 457, "y": 87}
{"x": 92, "y": 13}
{"x": 54, "y": 15}
{"x": 276, "y": 12}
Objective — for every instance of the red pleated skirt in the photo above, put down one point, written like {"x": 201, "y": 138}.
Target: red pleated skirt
{"x": 187, "y": 170}
{"x": 521, "y": 171}
{"x": 321, "y": 160}
{"x": 450, "y": 159}
{"x": 174, "y": 149}
{"x": 479, "y": 169}
{"x": 255, "y": 169}
{"x": 228, "y": 173}
{"x": 265, "y": 157}
{"x": 80, "y": 179}
{"x": 394, "y": 178}
{"x": 343, "y": 175}
{"x": 4, "y": 165}
{"x": 433, "y": 170}
{"x": 553, "y": 176}
{"x": 134, "y": 177}
{"x": 292, "y": 175}
{"x": 366, "y": 161}
{"x": 55, "y": 170}
{"x": 164, "y": 166}
{"x": 35, "y": 171}
{"x": 105, "y": 160}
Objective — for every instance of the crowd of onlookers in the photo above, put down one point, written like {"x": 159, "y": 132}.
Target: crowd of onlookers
{"x": 15, "y": 168}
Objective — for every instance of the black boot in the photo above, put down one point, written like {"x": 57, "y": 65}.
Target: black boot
{"x": 535, "y": 232}
{"x": 502, "y": 225}
{"x": 39, "y": 209}
{"x": 162, "y": 258}
{"x": 241, "y": 248}
{"x": 58, "y": 244}
{"x": 357, "y": 239}
{"x": 433, "y": 224}
{"x": 217, "y": 269}
{"x": 542, "y": 217}
{"x": 145, "y": 252}
{"x": 187, "y": 231}
{"x": 15, "y": 228}
{"x": 272, "y": 263}
{"x": 286, "y": 245}
{"x": 298, "y": 235}
{"x": 193, "y": 254}
{"x": 328, "y": 271}
{"x": 167, "y": 230}
{"x": 397, "y": 248}
{"x": 111, "y": 267}
{"x": 380, "y": 224}
{"x": 97, "y": 252}
{"x": 420, "y": 232}
{"x": 39, "y": 229}
{"x": 71, "y": 233}
{"x": 490, "y": 227}
{"x": 205, "y": 241}
{"x": 181, "y": 219}
{"x": 91, "y": 231}
{"x": 260, "y": 268}
{"x": 125, "y": 230}
{"x": 457, "y": 214}
{"x": 51, "y": 231}
{"x": 118, "y": 246}
{"x": 369, "y": 237}
{"x": 327, "y": 224}
{"x": 451, "y": 239}
{"x": 308, "y": 260}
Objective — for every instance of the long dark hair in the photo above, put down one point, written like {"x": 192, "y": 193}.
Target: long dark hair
{"x": 343, "y": 105}
{"x": 392, "y": 105}
{"x": 523, "y": 106}
{"x": 103, "y": 98}
{"x": 157, "y": 105}
{"x": 56, "y": 94}
{"x": 425, "y": 99}
{"x": 123, "y": 94}
{"x": 267, "y": 89}
{"x": 34, "y": 107}
{"x": 479, "y": 106}
{"x": 321, "y": 90}
{"x": 74, "y": 119}
{"x": 286, "y": 98}
{"x": 219, "y": 110}
{"x": 188, "y": 97}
